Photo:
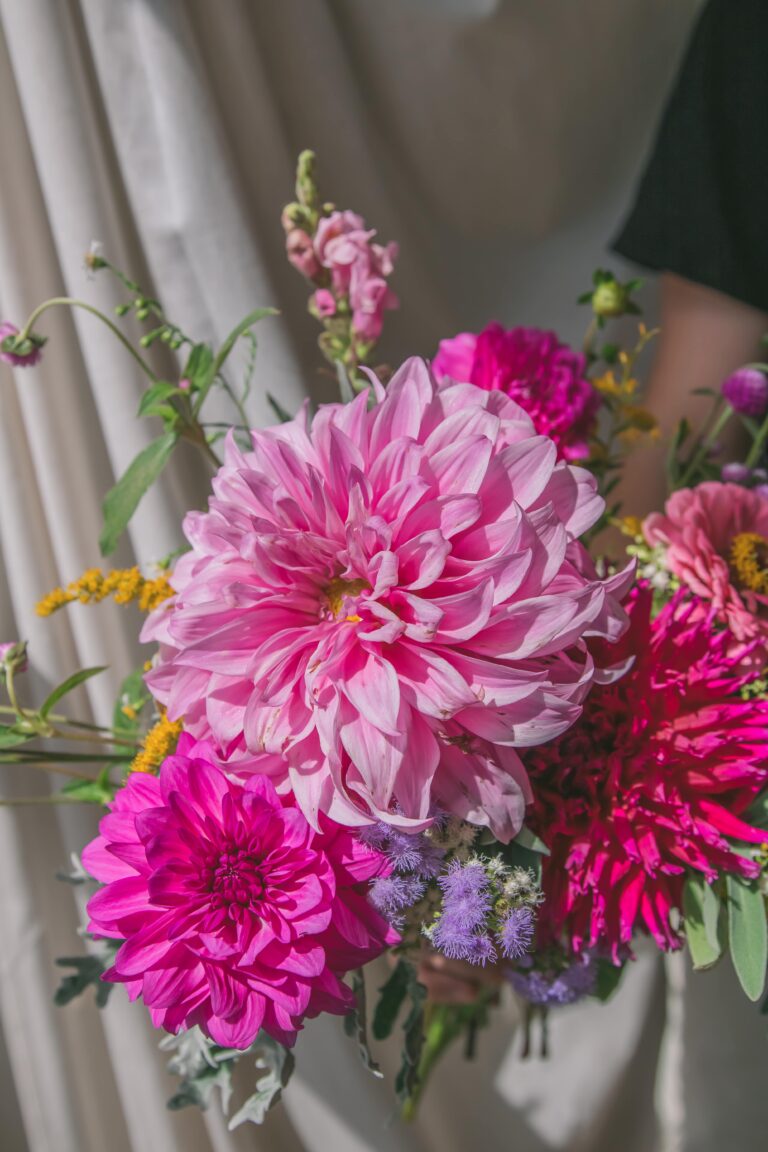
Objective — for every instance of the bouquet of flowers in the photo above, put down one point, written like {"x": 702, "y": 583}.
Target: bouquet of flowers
{"x": 397, "y": 700}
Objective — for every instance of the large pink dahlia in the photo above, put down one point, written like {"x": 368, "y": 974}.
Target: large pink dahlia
{"x": 715, "y": 540}
{"x": 236, "y": 914}
{"x": 654, "y": 779}
{"x": 546, "y": 378}
{"x": 371, "y": 592}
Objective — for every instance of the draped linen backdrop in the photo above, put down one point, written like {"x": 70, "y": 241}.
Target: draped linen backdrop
{"x": 498, "y": 142}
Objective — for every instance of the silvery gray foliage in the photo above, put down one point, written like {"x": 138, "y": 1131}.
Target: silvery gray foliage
{"x": 203, "y": 1068}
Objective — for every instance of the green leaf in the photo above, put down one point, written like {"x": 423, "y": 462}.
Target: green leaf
{"x": 131, "y": 700}
{"x": 346, "y": 391}
{"x": 87, "y": 974}
{"x": 10, "y": 737}
{"x": 99, "y": 791}
{"x": 356, "y": 1024}
{"x": 199, "y": 367}
{"x": 121, "y": 502}
{"x": 154, "y": 400}
{"x": 282, "y": 415}
{"x": 608, "y": 979}
{"x": 527, "y": 839}
{"x": 757, "y": 813}
{"x": 391, "y": 999}
{"x": 244, "y": 326}
{"x": 748, "y": 935}
{"x": 701, "y": 909}
{"x": 68, "y": 685}
{"x": 279, "y": 1064}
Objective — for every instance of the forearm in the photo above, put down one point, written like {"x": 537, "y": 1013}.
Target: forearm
{"x": 704, "y": 337}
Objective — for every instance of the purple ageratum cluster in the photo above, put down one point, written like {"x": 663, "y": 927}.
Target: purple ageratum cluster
{"x": 549, "y": 988}
{"x": 487, "y": 908}
{"x": 746, "y": 390}
{"x": 460, "y": 932}
{"x": 414, "y": 860}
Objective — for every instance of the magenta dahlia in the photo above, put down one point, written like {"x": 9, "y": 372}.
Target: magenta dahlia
{"x": 235, "y": 914}
{"x": 652, "y": 781}
{"x": 546, "y": 378}
{"x": 373, "y": 592}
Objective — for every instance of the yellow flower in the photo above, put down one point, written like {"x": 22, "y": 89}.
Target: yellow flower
{"x": 124, "y": 585}
{"x": 159, "y": 742}
{"x": 630, "y": 526}
{"x": 749, "y": 560}
{"x": 640, "y": 422}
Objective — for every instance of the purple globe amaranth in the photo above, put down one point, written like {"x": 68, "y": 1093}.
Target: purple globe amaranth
{"x": 746, "y": 390}
{"x": 735, "y": 473}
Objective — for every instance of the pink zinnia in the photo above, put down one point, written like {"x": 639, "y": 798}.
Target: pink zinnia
{"x": 371, "y": 592}
{"x": 651, "y": 782}
{"x": 235, "y": 914}
{"x": 715, "y": 541}
{"x": 546, "y": 378}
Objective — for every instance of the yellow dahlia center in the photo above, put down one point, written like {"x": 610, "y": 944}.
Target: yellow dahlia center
{"x": 749, "y": 560}
{"x": 340, "y": 596}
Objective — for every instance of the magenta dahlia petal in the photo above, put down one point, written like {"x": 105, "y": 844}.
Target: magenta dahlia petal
{"x": 233, "y": 912}
{"x": 653, "y": 780}
{"x": 371, "y": 586}
{"x": 546, "y": 378}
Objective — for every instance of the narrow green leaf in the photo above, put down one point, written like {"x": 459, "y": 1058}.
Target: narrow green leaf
{"x": 346, "y": 391}
{"x": 155, "y": 398}
{"x": 121, "y": 502}
{"x": 701, "y": 909}
{"x": 198, "y": 369}
{"x": 131, "y": 699}
{"x": 98, "y": 791}
{"x": 391, "y": 999}
{"x": 244, "y": 326}
{"x": 356, "y": 1024}
{"x": 10, "y": 737}
{"x": 527, "y": 839}
{"x": 757, "y": 813}
{"x": 748, "y": 935}
{"x": 281, "y": 413}
{"x": 69, "y": 685}
{"x": 608, "y": 979}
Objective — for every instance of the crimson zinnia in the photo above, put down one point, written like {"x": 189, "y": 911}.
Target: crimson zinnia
{"x": 650, "y": 782}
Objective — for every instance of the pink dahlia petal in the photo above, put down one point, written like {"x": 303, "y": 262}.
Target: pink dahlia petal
{"x": 232, "y": 911}
{"x": 362, "y": 580}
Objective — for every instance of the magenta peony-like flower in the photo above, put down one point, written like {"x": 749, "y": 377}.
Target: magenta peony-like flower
{"x": 10, "y": 352}
{"x": 382, "y": 604}
{"x": 235, "y": 914}
{"x": 652, "y": 781}
{"x": 715, "y": 541}
{"x": 546, "y": 378}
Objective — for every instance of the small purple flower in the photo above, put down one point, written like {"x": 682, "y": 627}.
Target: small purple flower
{"x": 746, "y": 390}
{"x": 412, "y": 852}
{"x": 466, "y": 894}
{"x": 20, "y": 355}
{"x": 551, "y": 988}
{"x": 515, "y": 935}
{"x": 735, "y": 473}
{"x": 762, "y": 490}
{"x": 392, "y": 895}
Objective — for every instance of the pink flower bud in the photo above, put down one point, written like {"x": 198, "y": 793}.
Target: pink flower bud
{"x": 325, "y": 302}
{"x": 301, "y": 254}
{"x": 20, "y": 353}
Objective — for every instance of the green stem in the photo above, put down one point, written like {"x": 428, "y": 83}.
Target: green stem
{"x": 70, "y": 773}
{"x": 757, "y": 445}
{"x": 705, "y": 444}
{"x": 233, "y": 397}
{"x": 71, "y": 302}
{"x": 10, "y": 688}
{"x": 93, "y": 738}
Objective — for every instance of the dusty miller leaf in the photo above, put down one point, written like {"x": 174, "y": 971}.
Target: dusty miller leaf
{"x": 356, "y": 1024}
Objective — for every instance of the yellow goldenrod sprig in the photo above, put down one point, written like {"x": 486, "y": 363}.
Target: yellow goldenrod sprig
{"x": 124, "y": 585}
{"x": 159, "y": 742}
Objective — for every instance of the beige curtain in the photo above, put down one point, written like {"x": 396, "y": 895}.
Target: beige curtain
{"x": 498, "y": 141}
